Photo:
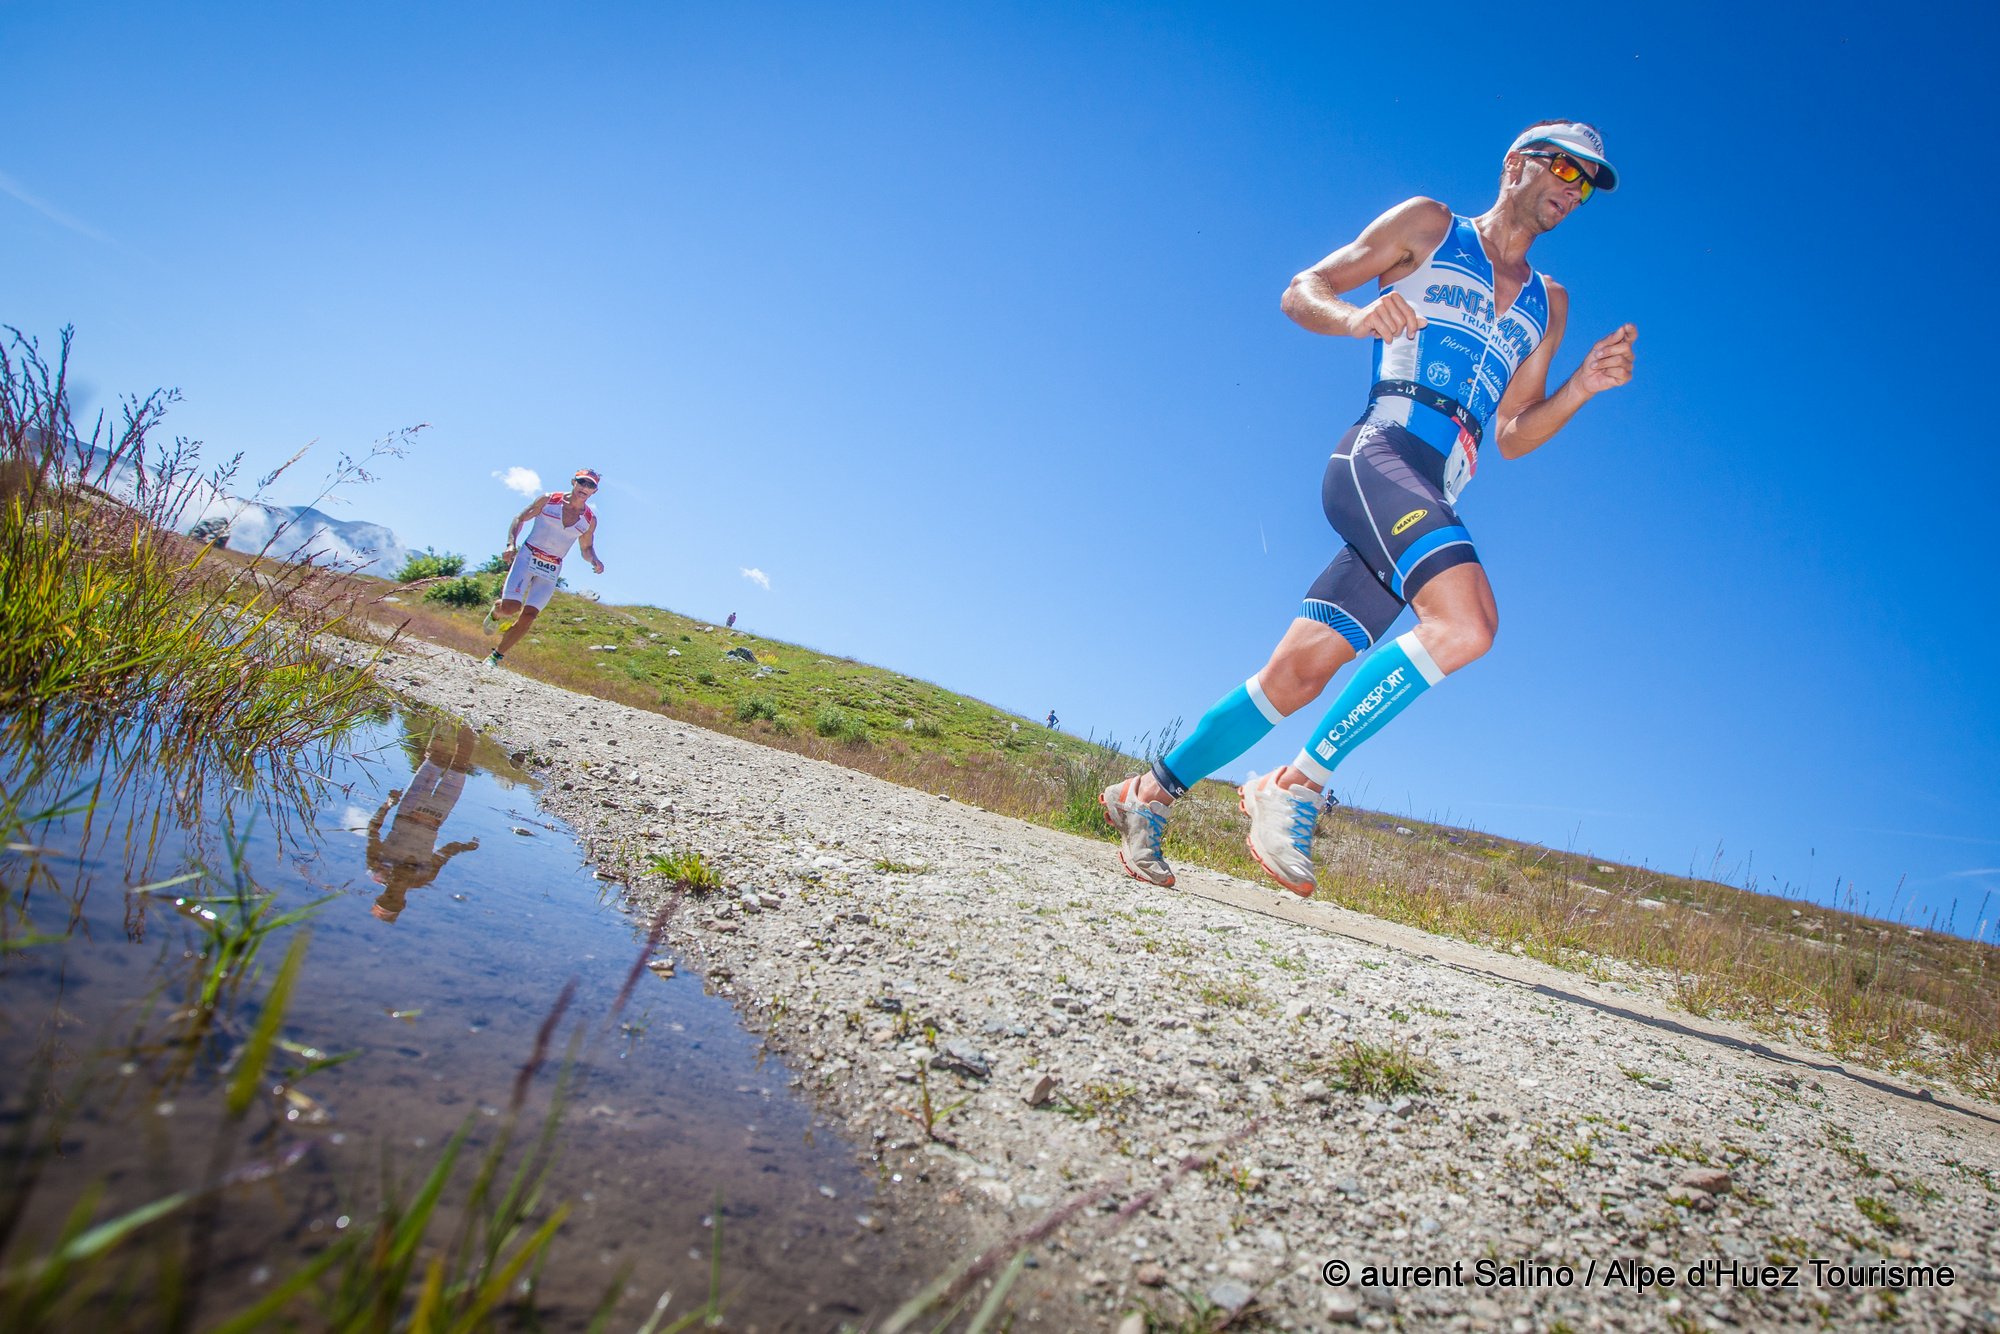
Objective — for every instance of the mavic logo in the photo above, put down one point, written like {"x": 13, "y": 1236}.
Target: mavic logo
{"x": 1404, "y": 524}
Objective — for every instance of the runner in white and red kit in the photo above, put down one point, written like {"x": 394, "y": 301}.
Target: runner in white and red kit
{"x": 559, "y": 522}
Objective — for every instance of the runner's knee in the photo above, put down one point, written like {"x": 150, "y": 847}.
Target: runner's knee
{"x": 1300, "y": 668}
{"x": 1459, "y": 639}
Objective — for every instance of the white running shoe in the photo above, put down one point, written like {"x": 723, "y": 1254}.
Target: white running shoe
{"x": 489, "y": 626}
{"x": 1281, "y": 831}
{"x": 1140, "y": 825}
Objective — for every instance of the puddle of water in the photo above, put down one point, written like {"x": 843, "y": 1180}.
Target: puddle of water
{"x": 456, "y": 916}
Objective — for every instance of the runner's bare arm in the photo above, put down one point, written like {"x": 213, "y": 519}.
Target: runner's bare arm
{"x": 588, "y": 545}
{"x": 514, "y": 528}
{"x": 1529, "y": 416}
{"x": 1388, "y": 248}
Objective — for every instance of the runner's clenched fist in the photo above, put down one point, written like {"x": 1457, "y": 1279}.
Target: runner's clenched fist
{"x": 1388, "y": 316}
{"x": 1609, "y": 361}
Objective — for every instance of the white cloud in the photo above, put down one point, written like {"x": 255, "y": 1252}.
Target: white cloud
{"x": 524, "y": 480}
{"x": 758, "y": 577}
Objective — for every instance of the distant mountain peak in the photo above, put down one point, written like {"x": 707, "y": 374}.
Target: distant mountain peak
{"x": 282, "y": 532}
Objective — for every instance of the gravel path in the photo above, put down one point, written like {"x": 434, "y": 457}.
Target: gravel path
{"x": 1575, "y": 1144}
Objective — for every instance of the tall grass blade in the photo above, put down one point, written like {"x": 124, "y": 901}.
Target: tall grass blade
{"x": 495, "y": 1287}
{"x": 411, "y": 1226}
{"x": 250, "y": 1071}
{"x": 424, "y": 1318}
{"x": 990, "y": 1308}
{"x": 274, "y": 1301}
{"x": 81, "y": 1243}
{"x": 108, "y": 1234}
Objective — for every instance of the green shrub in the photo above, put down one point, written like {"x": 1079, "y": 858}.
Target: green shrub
{"x": 755, "y": 707}
{"x": 463, "y": 591}
{"x": 495, "y": 564}
{"x": 705, "y": 678}
{"x": 928, "y": 728}
{"x": 430, "y": 564}
{"x": 836, "y": 722}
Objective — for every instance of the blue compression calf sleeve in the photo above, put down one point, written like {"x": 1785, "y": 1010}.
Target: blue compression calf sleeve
{"x": 1238, "y": 721}
{"x": 1382, "y": 685}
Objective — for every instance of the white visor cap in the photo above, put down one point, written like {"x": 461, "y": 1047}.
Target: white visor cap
{"x": 1579, "y": 141}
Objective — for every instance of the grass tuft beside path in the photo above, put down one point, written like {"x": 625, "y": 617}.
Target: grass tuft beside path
{"x": 119, "y": 636}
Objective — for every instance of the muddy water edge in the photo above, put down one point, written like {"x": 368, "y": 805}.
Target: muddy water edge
{"x": 461, "y": 966}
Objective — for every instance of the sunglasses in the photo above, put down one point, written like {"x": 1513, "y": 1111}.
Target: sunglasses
{"x": 584, "y": 483}
{"x": 1570, "y": 172}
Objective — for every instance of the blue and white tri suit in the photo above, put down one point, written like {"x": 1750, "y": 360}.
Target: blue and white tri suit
{"x": 1391, "y": 488}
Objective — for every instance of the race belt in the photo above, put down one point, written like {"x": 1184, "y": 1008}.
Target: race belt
{"x": 1468, "y": 425}
{"x": 541, "y": 559}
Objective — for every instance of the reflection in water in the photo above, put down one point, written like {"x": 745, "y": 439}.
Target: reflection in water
{"x": 407, "y": 857}
{"x": 675, "y": 1103}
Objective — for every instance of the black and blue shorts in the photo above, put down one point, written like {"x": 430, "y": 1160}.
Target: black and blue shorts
{"x": 1384, "y": 494}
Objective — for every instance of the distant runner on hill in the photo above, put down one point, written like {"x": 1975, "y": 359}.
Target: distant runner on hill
{"x": 1464, "y": 333}
{"x": 559, "y": 522}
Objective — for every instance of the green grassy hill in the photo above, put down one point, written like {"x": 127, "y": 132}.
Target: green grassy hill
{"x": 693, "y": 669}
{"x": 780, "y": 689}
{"x": 795, "y": 698}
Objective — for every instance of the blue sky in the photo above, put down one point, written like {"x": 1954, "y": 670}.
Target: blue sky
{"x": 960, "y": 325}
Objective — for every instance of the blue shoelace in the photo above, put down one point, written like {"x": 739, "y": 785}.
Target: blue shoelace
{"x": 1305, "y": 811}
{"x": 1156, "y": 824}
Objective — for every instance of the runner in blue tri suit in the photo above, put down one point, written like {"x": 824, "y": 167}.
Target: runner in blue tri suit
{"x": 1464, "y": 332}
